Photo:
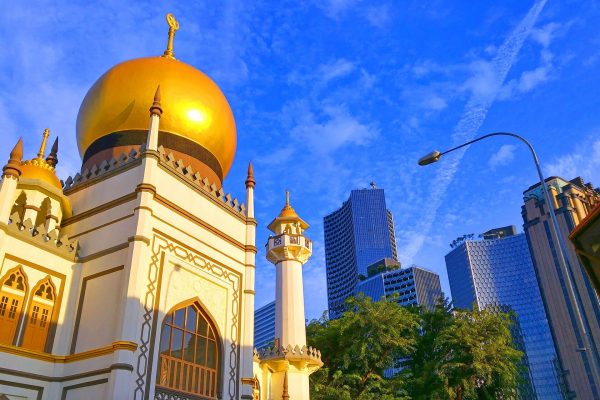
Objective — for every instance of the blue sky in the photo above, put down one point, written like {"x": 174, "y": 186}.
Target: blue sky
{"x": 331, "y": 95}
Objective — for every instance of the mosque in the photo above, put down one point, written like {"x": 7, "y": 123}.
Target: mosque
{"x": 134, "y": 279}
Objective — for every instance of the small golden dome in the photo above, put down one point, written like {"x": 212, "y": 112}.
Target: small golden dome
{"x": 194, "y": 107}
{"x": 287, "y": 214}
{"x": 39, "y": 169}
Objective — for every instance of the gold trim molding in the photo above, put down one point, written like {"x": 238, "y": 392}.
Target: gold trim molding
{"x": 58, "y": 359}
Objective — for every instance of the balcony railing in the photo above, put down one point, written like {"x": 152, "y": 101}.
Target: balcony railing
{"x": 178, "y": 379}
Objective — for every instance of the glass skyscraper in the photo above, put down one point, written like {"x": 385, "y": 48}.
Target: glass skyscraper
{"x": 497, "y": 274}
{"x": 358, "y": 234}
{"x": 414, "y": 286}
{"x": 264, "y": 326}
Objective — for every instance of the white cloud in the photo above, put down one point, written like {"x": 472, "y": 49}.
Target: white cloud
{"x": 583, "y": 161}
{"x": 378, "y": 16}
{"x": 484, "y": 85}
{"x": 337, "y": 128}
{"x": 435, "y": 102}
{"x": 545, "y": 34}
{"x": 504, "y": 155}
{"x": 530, "y": 79}
{"x": 334, "y": 8}
{"x": 336, "y": 69}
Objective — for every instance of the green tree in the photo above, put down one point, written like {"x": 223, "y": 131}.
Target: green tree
{"x": 463, "y": 354}
{"x": 446, "y": 354}
{"x": 422, "y": 368}
{"x": 480, "y": 359}
{"x": 358, "y": 347}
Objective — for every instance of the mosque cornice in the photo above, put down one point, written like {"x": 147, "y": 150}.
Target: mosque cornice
{"x": 61, "y": 359}
{"x": 279, "y": 358}
{"x": 168, "y": 164}
{"x": 52, "y": 241}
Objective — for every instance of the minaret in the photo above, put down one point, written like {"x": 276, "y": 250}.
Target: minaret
{"x": 288, "y": 250}
{"x": 10, "y": 177}
{"x": 248, "y": 298}
{"x": 292, "y": 362}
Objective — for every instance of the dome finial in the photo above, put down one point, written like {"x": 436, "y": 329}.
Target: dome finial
{"x": 287, "y": 198}
{"x": 173, "y": 27}
{"x": 43, "y": 145}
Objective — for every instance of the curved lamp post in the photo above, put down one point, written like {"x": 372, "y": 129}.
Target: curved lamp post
{"x": 561, "y": 249}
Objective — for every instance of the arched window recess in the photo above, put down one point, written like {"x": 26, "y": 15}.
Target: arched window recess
{"x": 190, "y": 353}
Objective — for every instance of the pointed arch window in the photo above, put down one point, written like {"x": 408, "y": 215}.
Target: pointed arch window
{"x": 13, "y": 288}
{"x": 39, "y": 316}
{"x": 189, "y": 355}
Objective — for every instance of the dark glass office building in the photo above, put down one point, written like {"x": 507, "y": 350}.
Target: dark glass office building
{"x": 358, "y": 234}
{"x": 412, "y": 286}
{"x": 497, "y": 273}
{"x": 264, "y": 326}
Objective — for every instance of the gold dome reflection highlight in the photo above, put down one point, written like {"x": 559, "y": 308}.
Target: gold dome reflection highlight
{"x": 193, "y": 106}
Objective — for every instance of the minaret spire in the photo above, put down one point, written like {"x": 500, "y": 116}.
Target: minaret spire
{"x": 173, "y": 27}
{"x": 52, "y": 158}
{"x": 156, "y": 107}
{"x": 155, "y": 114}
{"x": 250, "y": 182}
{"x": 43, "y": 145}
{"x": 14, "y": 161}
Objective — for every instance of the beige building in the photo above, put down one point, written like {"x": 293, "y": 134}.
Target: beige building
{"x": 135, "y": 278}
{"x": 572, "y": 201}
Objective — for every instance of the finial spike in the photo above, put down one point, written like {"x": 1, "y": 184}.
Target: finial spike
{"x": 287, "y": 198}
{"x": 156, "y": 107}
{"x": 250, "y": 182}
{"x": 43, "y": 145}
{"x": 12, "y": 167}
{"x": 17, "y": 152}
{"x": 52, "y": 158}
{"x": 173, "y": 27}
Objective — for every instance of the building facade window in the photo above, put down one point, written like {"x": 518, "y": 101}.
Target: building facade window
{"x": 37, "y": 322}
{"x": 13, "y": 288}
{"x": 189, "y": 355}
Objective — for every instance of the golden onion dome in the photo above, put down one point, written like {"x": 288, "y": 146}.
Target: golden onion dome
{"x": 197, "y": 123}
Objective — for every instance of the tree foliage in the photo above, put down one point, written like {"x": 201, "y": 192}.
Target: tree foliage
{"x": 445, "y": 354}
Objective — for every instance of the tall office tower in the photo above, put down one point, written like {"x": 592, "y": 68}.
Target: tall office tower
{"x": 359, "y": 233}
{"x": 264, "y": 326}
{"x": 497, "y": 274}
{"x": 414, "y": 286}
{"x": 572, "y": 201}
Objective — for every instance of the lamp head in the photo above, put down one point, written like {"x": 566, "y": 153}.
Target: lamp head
{"x": 430, "y": 158}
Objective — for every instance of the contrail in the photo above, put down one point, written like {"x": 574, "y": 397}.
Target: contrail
{"x": 473, "y": 116}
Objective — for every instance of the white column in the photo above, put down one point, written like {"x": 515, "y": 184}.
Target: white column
{"x": 249, "y": 294}
{"x": 8, "y": 189}
{"x": 290, "y": 325}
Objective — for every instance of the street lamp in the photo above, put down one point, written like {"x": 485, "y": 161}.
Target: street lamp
{"x": 435, "y": 156}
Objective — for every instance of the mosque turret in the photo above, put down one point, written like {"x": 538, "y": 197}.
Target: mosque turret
{"x": 289, "y": 249}
{"x": 291, "y": 360}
